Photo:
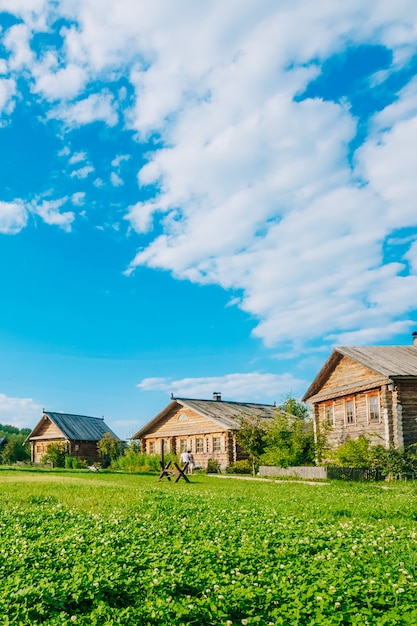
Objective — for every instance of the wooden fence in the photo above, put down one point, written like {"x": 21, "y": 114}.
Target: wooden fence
{"x": 321, "y": 473}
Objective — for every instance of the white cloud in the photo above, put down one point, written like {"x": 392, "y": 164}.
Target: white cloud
{"x": 77, "y": 157}
{"x": 120, "y": 158}
{"x": 49, "y": 211}
{"x": 82, "y": 172}
{"x": 115, "y": 180}
{"x": 238, "y": 387}
{"x": 17, "y": 41}
{"x": 99, "y": 107}
{"x": 63, "y": 83}
{"x": 78, "y": 198}
{"x": 19, "y": 412}
{"x": 13, "y": 217}
{"x": 7, "y": 91}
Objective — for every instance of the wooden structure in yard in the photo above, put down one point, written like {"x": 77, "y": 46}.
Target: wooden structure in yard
{"x": 78, "y": 433}
{"x": 168, "y": 472}
{"x": 205, "y": 427}
{"x": 368, "y": 390}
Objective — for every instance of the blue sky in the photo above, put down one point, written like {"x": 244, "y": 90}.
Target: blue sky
{"x": 200, "y": 197}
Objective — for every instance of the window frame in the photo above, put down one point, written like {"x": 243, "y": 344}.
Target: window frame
{"x": 369, "y": 398}
{"x": 183, "y": 445}
{"x": 329, "y": 413}
{"x": 197, "y": 446}
{"x": 347, "y": 401}
{"x": 152, "y": 447}
{"x": 217, "y": 444}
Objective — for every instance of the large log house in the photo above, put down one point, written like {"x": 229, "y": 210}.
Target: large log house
{"x": 206, "y": 427}
{"x": 368, "y": 390}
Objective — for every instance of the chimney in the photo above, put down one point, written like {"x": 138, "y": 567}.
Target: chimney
{"x": 414, "y": 335}
{"x": 217, "y": 396}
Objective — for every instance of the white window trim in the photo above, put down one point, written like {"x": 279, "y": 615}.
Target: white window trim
{"x": 220, "y": 444}
{"x": 368, "y": 408}
{"x": 332, "y": 406}
{"x": 346, "y": 401}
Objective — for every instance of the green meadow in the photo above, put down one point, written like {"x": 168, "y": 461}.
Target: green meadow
{"x": 114, "y": 548}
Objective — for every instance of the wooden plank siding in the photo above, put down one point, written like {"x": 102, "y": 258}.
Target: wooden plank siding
{"x": 352, "y": 385}
{"x": 348, "y": 377}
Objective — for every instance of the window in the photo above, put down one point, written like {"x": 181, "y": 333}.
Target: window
{"x": 329, "y": 414}
{"x": 373, "y": 408}
{"x": 199, "y": 445}
{"x": 182, "y": 416}
{"x": 217, "y": 444}
{"x": 183, "y": 445}
{"x": 151, "y": 447}
{"x": 350, "y": 411}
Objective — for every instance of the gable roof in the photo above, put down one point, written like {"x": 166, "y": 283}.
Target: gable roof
{"x": 222, "y": 413}
{"x": 75, "y": 427}
{"x": 388, "y": 361}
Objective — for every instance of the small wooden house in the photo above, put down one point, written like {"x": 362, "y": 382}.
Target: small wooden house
{"x": 206, "y": 427}
{"x": 369, "y": 390}
{"x": 78, "y": 433}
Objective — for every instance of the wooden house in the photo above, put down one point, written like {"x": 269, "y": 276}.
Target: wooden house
{"x": 369, "y": 390}
{"x": 206, "y": 427}
{"x": 79, "y": 434}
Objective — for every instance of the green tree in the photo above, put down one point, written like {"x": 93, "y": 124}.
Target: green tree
{"x": 251, "y": 437}
{"x": 15, "y": 450}
{"x": 289, "y": 438}
{"x": 110, "y": 448}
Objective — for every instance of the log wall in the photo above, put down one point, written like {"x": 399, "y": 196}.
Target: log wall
{"x": 183, "y": 429}
{"x": 407, "y": 399}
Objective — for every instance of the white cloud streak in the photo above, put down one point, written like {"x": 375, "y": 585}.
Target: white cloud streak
{"x": 19, "y": 412}
{"x": 235, "y": 387}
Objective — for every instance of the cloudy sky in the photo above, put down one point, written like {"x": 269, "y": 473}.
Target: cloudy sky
{"x": 199, "y": 197}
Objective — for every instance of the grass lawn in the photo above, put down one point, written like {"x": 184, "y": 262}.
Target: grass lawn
{"x": 112, "y": 548}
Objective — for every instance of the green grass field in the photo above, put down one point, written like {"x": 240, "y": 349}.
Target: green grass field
{"x": 112, "y": 548}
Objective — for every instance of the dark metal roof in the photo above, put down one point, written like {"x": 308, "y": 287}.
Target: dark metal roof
{"x": 222, "y": 413}
{"x": 78, "y": 427}
{"x": 389, "y": 361}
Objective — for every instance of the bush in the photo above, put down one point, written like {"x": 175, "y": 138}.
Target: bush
{"x": 15, "y": 450}
{"x": 213, "y": 466}
{"x": 134, "y": 461}
{"x": 55, "y": 455}
{"x": 240, "y": 467}
{"x": 73, "y": 462}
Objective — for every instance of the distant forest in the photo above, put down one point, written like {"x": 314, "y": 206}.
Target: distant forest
{"x": 6, "y": 431}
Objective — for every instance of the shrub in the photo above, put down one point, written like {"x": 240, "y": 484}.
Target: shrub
{"x": 73, "y": 462}
{"x": 240, "y": 467}
{"x": 55, "y": 455}
{"x": 15, "y": 450}
{"x": 213, "y": 466}
{"x": 134, "y": 461}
